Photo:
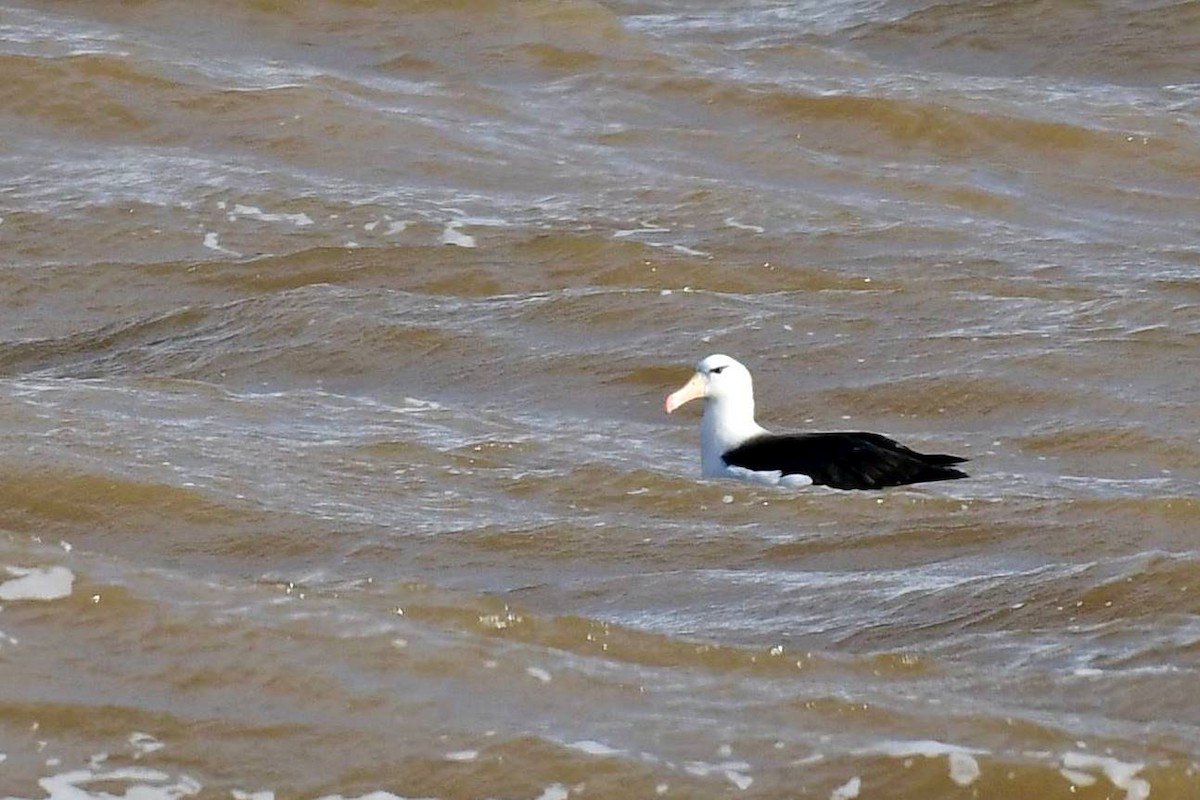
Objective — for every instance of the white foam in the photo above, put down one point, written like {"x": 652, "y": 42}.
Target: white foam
{"x": 395, "y": 227}
{"x": 451, "y": 235}
{"x": 734, "y": 771}
{"x": 929, "y": 748}
{"x": 142, "y": 784}
{"x": 555, "y": 791}
{"x": 212, "y": 240}
{"x": 622, "y": 234}
{"x": 595, "y": 748}
{"x": 539, "y": 673}
{"x": 733, "y": 223}
{"x": 300, "y": 220}
{"x": 1122, "y": 774}
{"x": 50, "y": 583}
{"x": 964, "y": 769}
{"x": 377, "y": 795}
{"x": 848, "y": 790}
{"x": 462, "y": 755}
{"x": 739, "y": 779}
{"x": 238, "y": 794}
{"x": 144, "y": 744}
{"x": 1077, "y": 778}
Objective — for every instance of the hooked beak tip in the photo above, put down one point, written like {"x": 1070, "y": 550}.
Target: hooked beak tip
{"x": 691, "y": 390}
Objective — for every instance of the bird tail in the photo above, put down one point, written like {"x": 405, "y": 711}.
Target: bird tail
{"x": 940, "y": 473}
{"x": 941, "y": 459}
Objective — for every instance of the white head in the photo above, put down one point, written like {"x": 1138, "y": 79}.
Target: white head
{"x": 728, "y": 394}
{"x": 719, "y": 379}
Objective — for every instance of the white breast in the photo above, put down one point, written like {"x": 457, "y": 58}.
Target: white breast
{"x": 724, "y": 427}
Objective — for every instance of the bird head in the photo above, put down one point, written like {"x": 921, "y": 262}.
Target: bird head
{"x": 717, "y": 377}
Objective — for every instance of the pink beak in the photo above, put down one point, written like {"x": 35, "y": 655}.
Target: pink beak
{"x": 691, "y": 390}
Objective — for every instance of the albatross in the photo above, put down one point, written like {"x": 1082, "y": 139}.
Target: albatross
{"x": 733, "y": 445}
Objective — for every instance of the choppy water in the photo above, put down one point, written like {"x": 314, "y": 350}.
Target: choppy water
{"x": 333, "y": 338}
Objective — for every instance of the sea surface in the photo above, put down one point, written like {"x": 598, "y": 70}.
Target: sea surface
{"x": 333, "y": 342}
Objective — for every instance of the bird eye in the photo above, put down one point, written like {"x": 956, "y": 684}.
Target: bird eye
{"x": 716, "y": 370}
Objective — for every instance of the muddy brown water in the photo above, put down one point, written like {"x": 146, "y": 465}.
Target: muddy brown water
{"x": 333, "y": 341}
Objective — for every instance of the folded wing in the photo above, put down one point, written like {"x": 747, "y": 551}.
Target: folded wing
{"x": 844, "y": 460}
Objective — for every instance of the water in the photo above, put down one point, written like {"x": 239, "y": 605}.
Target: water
{"x": 334, "y": 341}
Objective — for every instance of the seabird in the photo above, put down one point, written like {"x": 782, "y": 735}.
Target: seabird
{"x": 733, "y": 445}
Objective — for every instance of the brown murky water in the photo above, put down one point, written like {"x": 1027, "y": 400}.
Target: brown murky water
{"x": 333, "y": 338}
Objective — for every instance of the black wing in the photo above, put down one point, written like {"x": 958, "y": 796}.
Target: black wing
{"x": 844, "y": 460}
